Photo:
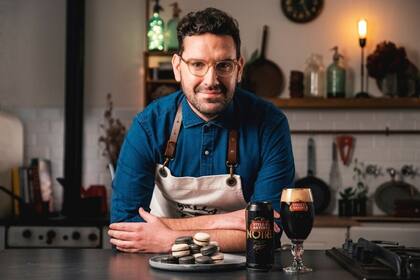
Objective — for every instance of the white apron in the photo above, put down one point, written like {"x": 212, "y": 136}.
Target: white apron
{"x": 193, "y": 196}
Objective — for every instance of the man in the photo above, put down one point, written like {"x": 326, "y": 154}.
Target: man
{"x": 196, "y": 157}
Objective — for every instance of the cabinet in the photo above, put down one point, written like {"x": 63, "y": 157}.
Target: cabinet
{"x": 158, "y": 76}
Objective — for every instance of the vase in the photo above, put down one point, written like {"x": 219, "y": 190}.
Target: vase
{"x": 389, "y": 85}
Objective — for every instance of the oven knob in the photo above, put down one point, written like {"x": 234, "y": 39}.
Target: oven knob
{"x": 93, "y": 237}
{"x": 75, "y": 235}
{"x": 50, "y": 236}
{"x": 27, "y": 234}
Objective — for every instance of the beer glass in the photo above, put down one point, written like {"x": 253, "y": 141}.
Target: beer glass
{"x": 297, "y": 217}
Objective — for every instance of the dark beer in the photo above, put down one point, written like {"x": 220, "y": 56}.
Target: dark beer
{"x": 259, "y": 236}
{"x": 297, "y": 219}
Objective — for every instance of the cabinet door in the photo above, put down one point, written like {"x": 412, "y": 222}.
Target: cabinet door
{"x": 322, "y": 238}
{"x": 403, "y": 233}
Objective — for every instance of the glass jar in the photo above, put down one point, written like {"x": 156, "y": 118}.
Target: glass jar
{"x": 314, "y": 77}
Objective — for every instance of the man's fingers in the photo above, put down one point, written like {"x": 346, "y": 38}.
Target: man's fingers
{"x": 276, "y": 214}
{"x": 121, "y": 235}
{"x": 125, "y": 226}
{"x": 122, "y": 243}
{"x": 128, "y": 250}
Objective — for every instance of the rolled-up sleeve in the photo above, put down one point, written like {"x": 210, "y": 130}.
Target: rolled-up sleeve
{"x": 133, "y": 184}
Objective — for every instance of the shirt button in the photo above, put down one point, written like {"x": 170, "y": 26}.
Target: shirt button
{"x": 206, "y": 128}
{"x": 206, "y": 152}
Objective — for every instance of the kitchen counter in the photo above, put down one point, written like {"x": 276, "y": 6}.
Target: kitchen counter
{"x": 37, "y": 264}
{"x": 336, "y": 221}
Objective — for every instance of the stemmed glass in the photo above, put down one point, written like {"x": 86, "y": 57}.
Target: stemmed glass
{"x": 297, "y": 217}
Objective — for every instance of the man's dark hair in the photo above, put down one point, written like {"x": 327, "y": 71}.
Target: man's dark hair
{"x": 212, "y": 21}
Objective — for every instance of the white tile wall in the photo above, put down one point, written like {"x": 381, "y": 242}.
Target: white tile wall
{"x": 386, "y": 151}
{"x": 44, "y": 138}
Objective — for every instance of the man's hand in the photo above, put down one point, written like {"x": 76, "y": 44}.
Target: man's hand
{"x": 150, "y": 237}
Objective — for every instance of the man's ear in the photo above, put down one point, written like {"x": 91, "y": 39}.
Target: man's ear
{"x": 176, "y": 67}
{"x": 241, "y": 63}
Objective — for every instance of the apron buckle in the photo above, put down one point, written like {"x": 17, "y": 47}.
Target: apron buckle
{"x": 231, "y": 181}
{"x": 162, "y": 170}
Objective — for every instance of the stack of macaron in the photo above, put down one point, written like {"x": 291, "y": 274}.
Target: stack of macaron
{"x": 194, "y": 250}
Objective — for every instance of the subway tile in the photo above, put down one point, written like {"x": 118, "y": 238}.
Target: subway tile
{"x": 306, "y": 115}
{"x": 332, "y": 115}
{"x": 410, "y": 114}
{"x": 50, "y": 114}
{"x": 49, "y": 140}
{"x": 387, "y": 115}
{"x": 36, "y": 126}
{"x": 360, "y": 115}
{"x": 321, "y": 125}
{"x": 57, "y": 127}
{"x": 346, "y": 125}
{"x": 57, "y": 153}
{"x": 298, "y": 125}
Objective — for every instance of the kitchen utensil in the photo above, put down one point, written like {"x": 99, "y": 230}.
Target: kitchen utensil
{"x": 320, "y": 190}
{"x": 11, "y": 151}
{"x": 345, "y": 146}
{"x": 389, "y": 192}
{"x": 335, "y": 177}
{"x": 262, "y": 76}
{"x": 230, "y": 262}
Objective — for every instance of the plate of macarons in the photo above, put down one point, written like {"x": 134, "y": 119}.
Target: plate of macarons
{"x": 197, "y": 253}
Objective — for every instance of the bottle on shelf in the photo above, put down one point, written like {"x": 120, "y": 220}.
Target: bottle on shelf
{"x": 314, "y": 77}
{"x": 336, "y": 77}
{"x": 171, "y": 40}
{"x": 155, "y": 30}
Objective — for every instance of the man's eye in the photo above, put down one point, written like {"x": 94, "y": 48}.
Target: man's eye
{"x": 198, "y": 64}
{"x": 224, "y": 65}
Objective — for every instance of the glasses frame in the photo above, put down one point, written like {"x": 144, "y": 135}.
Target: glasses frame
{"x": 208, "y": 65}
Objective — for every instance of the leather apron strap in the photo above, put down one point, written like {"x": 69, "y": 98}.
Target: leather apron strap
{"x": 232, "y": 153}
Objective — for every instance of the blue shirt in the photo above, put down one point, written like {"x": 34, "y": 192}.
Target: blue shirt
{"x": 265, "y": 155}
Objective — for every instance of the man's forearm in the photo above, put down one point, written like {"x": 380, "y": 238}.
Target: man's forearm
{"x": 233, "y": 221}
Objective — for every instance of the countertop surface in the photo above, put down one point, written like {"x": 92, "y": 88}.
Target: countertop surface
{"x": 79, "y": 264}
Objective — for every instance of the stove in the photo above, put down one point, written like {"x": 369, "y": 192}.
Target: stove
{"x": 59, "y": 233}
{"x": 373, "y": 260}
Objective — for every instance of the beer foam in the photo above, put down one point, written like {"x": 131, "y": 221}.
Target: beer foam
{"x": 296, "y": 194}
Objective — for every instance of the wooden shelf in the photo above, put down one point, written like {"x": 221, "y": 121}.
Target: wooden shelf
{"x": 346, "y": 103}
{"x": 162, "y": 82}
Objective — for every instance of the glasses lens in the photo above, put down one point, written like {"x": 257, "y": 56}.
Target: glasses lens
{"x": 197, "y": 67}
{"x": 225, "y": 67}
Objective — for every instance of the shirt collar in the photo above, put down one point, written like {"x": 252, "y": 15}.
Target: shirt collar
{"x": 190, "y": 118}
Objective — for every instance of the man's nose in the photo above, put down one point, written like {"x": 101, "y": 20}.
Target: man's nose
{"x": 211, "y": 77}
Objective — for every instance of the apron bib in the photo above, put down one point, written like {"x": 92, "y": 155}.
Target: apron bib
{"x": 193, "y": 196}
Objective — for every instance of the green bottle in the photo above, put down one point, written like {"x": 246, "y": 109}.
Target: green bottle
{"x": 155, "y": 30}
{"x": 171, "y": 35}
{"x": 336, "y": 77}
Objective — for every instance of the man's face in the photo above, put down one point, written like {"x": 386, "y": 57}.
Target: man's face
{"x": 210, "y": 94}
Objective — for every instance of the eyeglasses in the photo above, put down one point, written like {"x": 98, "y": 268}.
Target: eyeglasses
{"x": 199, "y": 68}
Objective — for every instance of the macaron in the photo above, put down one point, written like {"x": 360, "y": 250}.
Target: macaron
{"x": 218, "y": 257}
{"x": 209, "y": 250}
{"x": 197, "y": 255}
{"x": 203, "y": 260}
{"x": 201, "y": 238}
{"x": 184, "y": 240}
{"x": 194, "y": 248}
{"x": 186, "y": 260}
{"x": 180, "y": 250}
{"x": 169, "y": 259}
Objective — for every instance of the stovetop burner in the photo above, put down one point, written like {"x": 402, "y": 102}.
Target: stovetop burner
{"x": 378, "y": 259}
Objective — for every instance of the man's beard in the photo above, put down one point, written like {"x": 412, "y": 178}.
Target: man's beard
{"x": 223, "y": 100}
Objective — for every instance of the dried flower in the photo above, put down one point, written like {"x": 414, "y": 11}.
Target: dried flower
{"x": 387, "y": 58}
{"x": 114, "y": 133}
